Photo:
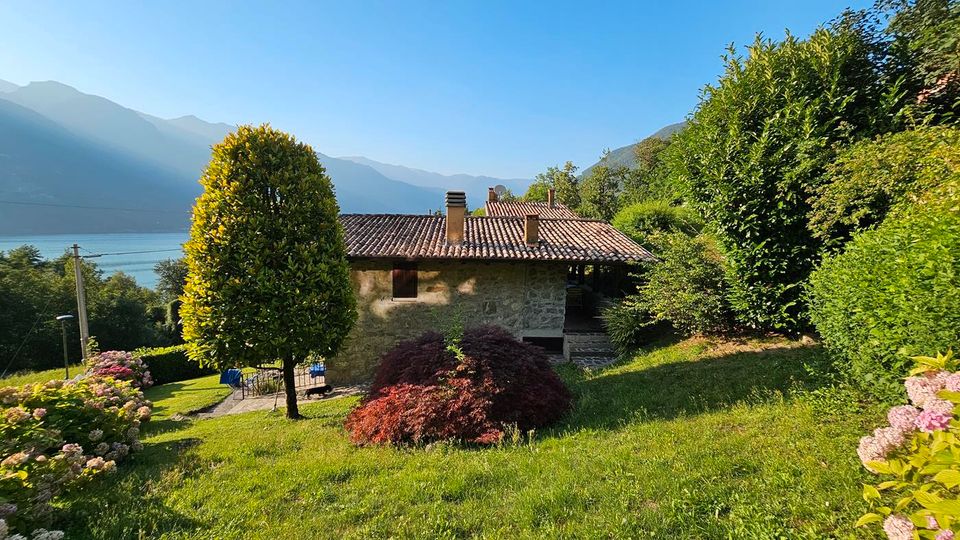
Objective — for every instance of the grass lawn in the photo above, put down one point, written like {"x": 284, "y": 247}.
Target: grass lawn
{"x": 690, "y": 440}
{"x": 186, "y": 396}
{"x": 20, "y": 379}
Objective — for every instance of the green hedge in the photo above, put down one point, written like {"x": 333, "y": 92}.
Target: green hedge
{"x": 171, "y": 364}
{"x": 892, "y": 293}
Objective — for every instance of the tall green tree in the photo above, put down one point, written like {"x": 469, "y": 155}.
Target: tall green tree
{"x": 171, "y": 277}
{"x": 268, "y": 274}
{"x": 537, "y": 191}
{"x": 562, "y": 179}
{"x": 600, "y": 191}
{"x": 757, "y": 147}
{"x": 650, "y": 179}
{"x": 926, "y": 37}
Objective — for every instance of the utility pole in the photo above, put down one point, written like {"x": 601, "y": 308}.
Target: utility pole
{"x": 81, "y": 302}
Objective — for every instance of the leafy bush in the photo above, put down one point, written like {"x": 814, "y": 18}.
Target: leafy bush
{"x": 428, "y": 390}
{"x": 892, "y": 293}
{"x": 759, "y": 142}
{"x": 643, "y": 221}
{"x": 55, "y": 435}
{"x": 122, "y": 366}
{"x": 686, "y": 286}
{"x": 630, "y": 324}
{"x": 870, "y": 178}
{"x": 920, "y": 451}
{"x": 171, "y": 364}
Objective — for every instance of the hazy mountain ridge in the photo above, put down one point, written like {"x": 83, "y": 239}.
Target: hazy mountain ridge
{"x": 86, "y": 181}
{"x": 7, "y": 86}
{"x": 624, "y": 156}
{"x": 61, "y": 147}
{"x": 475, "y": 186}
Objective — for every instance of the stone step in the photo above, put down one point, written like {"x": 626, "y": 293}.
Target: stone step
{"x": 591, "y": 353}
{"x": 587, "y": 338}
{"x": 589, "y": 349}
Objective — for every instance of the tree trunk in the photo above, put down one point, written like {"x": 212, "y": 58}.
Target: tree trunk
{"x": 290, "y": 387}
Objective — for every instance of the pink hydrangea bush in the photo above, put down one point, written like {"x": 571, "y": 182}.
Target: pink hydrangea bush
{"x": 122, "y": 366}
{"x": 919, "y": 453}
{"x": 56, "y": 435}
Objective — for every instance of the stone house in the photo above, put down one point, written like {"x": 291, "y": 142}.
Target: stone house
{"x": 518, "y": 267}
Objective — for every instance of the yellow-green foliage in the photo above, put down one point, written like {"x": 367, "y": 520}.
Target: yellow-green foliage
{"x": 268, "y": 275}
{"x": 642, "y": 221}
{"x": 870, "y": 178}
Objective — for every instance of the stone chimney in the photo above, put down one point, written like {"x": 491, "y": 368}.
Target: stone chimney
{"x": 491, "y": 195}
{"x": 456, "y": 210}
{"x": 551, "y": 197}
{"x": 531, "y": 230}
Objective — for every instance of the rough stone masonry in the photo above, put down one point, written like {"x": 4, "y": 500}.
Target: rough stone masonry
{"x": 526, "y": 297}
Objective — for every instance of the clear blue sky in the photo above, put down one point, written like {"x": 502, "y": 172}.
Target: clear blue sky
{"x": 497, "y": 88}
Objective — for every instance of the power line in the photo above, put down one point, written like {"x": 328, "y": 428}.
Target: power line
{"x": 82, "y": 207}
{"x": 131, "y": 252}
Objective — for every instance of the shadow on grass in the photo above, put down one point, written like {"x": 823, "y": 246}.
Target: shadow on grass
{"x": 689, "y": 386}
{"x": 129, "y": 503}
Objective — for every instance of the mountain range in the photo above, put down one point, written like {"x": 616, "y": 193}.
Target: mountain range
{"x": 75, "y": 162}
{"x": 624, "y": 156}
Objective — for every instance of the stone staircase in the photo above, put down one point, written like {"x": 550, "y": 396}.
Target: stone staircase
{"x": 588, "y": 349}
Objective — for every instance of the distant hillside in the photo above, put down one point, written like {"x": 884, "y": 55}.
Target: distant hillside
{"x": 475, "y": 186}
{"x": 7, "y": 86}
{"x": 61, "y": 149}
{"x": 105, "y": 122}
{"x": 624, "y": 156}
{"x": 361, "y": 189}
{"x": 66, "y": 183}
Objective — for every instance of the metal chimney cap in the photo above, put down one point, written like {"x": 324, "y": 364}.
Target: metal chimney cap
{"x": 456, "y": 198}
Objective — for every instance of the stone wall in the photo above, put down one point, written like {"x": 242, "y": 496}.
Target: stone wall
{"x": 528, "y": 299}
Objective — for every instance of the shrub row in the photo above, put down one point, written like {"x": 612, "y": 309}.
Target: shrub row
{"x": 685, "y": 289}
{"x": 171, "y": 364}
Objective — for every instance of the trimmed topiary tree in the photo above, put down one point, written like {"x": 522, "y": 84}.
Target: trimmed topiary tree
{"x": 428, "y": 389}
{"x": 892, "y": 293}
{"x": 268, "y": 275}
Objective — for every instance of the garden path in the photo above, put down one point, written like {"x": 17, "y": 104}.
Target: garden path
{"x": 233, "y": 404}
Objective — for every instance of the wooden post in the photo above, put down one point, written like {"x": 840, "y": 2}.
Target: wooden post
{"x": 81, "y": 303}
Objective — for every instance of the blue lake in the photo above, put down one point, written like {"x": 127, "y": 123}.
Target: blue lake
{"x": 160, "y": 246}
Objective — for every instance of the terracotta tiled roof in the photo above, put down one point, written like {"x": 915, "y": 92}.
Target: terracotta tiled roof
{"x": 522, "y": 208}
{"x": 487, "y": 238}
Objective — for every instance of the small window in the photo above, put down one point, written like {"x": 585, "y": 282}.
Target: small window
{"x": 405, "y": 280}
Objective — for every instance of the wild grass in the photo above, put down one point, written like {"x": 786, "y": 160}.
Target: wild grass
{"x": 27, "y": 377}
{"x": 697, "y": 439}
